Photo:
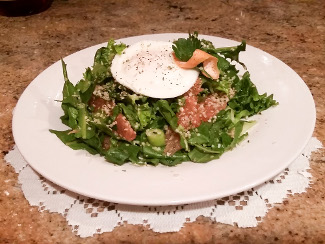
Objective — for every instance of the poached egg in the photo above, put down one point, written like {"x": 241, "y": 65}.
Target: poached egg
{"x": 148, "y": 68}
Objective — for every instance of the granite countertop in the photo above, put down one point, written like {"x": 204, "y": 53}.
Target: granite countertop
{"x": 293, "y": 31}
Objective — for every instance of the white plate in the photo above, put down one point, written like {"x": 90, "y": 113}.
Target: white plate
{"x": 279, "y": 136}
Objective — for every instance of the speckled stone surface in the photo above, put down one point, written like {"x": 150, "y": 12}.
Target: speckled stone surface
{"x": 293, "y": 31}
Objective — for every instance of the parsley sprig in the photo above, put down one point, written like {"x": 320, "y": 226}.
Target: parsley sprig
{"x": 184, "y": 48}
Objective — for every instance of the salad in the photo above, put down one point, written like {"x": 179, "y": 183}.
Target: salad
{"x": 107, "y": 114}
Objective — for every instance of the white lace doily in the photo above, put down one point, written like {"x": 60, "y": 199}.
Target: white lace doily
{"x": 89, "y": 216}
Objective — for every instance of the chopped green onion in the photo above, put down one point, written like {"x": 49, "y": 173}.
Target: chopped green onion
{"x": 156, "y": 137}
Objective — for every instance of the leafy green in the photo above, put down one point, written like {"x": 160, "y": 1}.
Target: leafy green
{"x": 158, "y": 153}
{"x": 131, "y": 114}
{"x": 119, "y": 155}
{"x": 166, "y": 111}
{"x": 184, "y": 48}
{"x": 103, "y": 60}
{"x": 70, "y": 94}
{"x": 145, "y": 114}
{"x": 86, "y": 86}
{"x": 198, "y": 156}
{"x": 229, "y": 52}
{"x": 248, "y": 99}
{"x": 69, "y": 139}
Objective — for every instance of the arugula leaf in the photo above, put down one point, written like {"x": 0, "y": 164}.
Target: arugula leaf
{"x": 209, "y": 149}
{"x": 166, "y": 111}
{"x": 119, "y": 48}
{"x": 198, "y": 156}
{"x": 158, "y": 122}
{"x": 77, "y": 145}
{"x": 238, "y": 136}
{"x": 201, "y": 134}
{"x": 86, "y": 82}
{"x": 86, "y": 86}
{"x": 211, "y": 86}
{"x": 65, "y": 117}
{"x": 69, "y": 139}
{"x": 229, "y": 52}
{"x": 172, "y": 162}
{"x": 70, "y": 93}
{"x": 184, "y": 48}
{"x": 123, "y": 152}
{"x": 156, "y": 152}
{"x": 95, "y": 142}
{"x": 65, "y": 136}
{"x": 226, "y": 140}
{"x": 117, "y": 156}
{"x": 131, "y": 114}
{"x": 247, "y": 98}
{"x": 65, "y": 73}
{"x": 132, "y": 151}
{"x": 103, "y": 60}
{"x": 145, "y": 114}
{"x": 73, "y": 116}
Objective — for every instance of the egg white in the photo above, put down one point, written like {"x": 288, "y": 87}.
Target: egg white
{"x": 148, "y": 68}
